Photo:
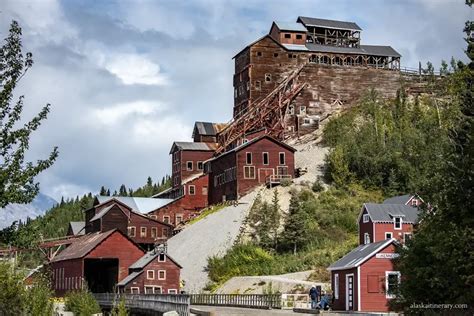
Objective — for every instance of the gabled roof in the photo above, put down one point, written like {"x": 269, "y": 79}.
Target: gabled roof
{"x": 359, "y": 255}
{"x": 83, "y": 245}
{"x": 138, "y": 204}
{"x": 332, "y": 24}
{"x": 289, "y": 26}
{"x": 386, "y": 212}
{"x": 77, "y": 228}
{"x": 102, "y": 212}
{"x": 193, "y": 146}
{"x": 401, "y": 199}
{"x": 147, "y": 258}
{"x": 208, "y": 128}
{"x": 129, "y": 278}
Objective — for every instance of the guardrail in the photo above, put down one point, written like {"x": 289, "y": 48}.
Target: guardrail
{"x": 149, "y": 302}
{"x": 264, "y": 301}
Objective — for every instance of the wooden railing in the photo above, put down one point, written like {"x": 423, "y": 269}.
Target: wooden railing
{"x": 147, "y": 303}
{"x": 238, "y": 300}
{"x": 276, "y": 178}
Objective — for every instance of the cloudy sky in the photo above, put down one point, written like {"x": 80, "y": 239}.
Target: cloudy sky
{"x": 126, "y": 78}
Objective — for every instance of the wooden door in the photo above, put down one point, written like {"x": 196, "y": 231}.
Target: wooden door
{"x": 350, "y": 292}
{"x": 264, "y": 173}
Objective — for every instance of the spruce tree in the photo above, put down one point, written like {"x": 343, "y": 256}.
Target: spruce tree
{"x": 123, "y": 190}
{"x": 103, "y": 191}
{"x": 17, "y": 177}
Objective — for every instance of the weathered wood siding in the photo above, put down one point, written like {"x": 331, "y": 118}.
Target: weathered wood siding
{"x": 229, "y": 189}
{"x": 340, "y": 302}
{"x": 382, "y": 228}
{"x": 66, "y": 275}
{"x": 114, "y": 218}
{"x": 179, "y": 164}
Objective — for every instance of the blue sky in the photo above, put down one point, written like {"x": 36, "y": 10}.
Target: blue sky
{"x": 126, "y": 78}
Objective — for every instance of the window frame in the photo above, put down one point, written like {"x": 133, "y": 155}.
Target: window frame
{"x": 395, "y": 223}
{"x": 148, "y": 274}
{"x": 284, "y": 158}
{"x": 159, "y": 257}
{"x": 302, "y": 110}
{"x": 155, "y": 234}
{"x": 366, "y": 238}
{"x": 268, "y": 77}
{"x": 299, "y": 36}
{"x": 164, "y": 273}
{"x": 287, "y": 35}
{"x": 143, "y": 231}
{"x": 387, "y": 290}
{"x": 201, "y": 164}
{"x": 249, "y": 175}
{"x": 193, "y": 191}
{"x": 172, "y": 291}
{"x": 187, "y": 165}
{"x": 176, "y": 218}
{"x": 365, "y": 218}
{"x": 258, "y": 85}
{"x": 405, "y": 236}
{"x": 134, "y": 288}
{"x": 166, "y": 217}
{"x": 267, "y": 155}
{"x": 247, "y": 155}
{"x": 130, "y": 229}
{"x": 336, "y": 286}
{"x": 388, "y": 233}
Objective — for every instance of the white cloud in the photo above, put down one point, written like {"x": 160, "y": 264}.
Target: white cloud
{"x": 162, "y": 131}
{"x": 117, "y": 113}
{"x": 135, "y": 69}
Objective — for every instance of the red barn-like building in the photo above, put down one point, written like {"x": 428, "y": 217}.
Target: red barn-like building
{"x": 364, "y": 280}
{"x": 258, "y": 161}
{"x": 100, "y": 259}
{"x": 154, "y": 273}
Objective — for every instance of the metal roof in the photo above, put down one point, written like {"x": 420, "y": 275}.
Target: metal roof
{"x": 102, "y": 212}
{"x": 197, "y": 146}
{"x": 290, "y": 26}
{"x": 83, "y": 245}
{"x": 332, "y": 24}
{"x": 77, "y": 228}
{"x": 295, "y": 47}
{"x": 380, "y": 50}
{"x": 359, "y": 255}
{"x": 147, "y": 258}
{"x": 129, "y": 278}
{"x": 386, "y": 212}
{"x": 372, "y": 50}
{"x": 139, "y": 204}
{"x": 401, "y": 199}
{"x": 208, "y": 128}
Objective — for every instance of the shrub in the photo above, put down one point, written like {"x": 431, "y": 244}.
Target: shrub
{"x": 82, "y": 303}
{"x": 39, "y": 297}
{"x": 285, "y": 182}
{"x": 120, "y": 309}
{"x": 12, "y": 290}
{"x": 317, "y": 186}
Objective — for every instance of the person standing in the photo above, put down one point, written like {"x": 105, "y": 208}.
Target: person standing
{"x": 313, "y": 294}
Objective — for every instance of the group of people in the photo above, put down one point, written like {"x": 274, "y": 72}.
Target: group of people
{"x": 314, "y": 295}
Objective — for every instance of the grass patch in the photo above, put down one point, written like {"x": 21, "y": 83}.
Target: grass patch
{"x": 207, "y": 211}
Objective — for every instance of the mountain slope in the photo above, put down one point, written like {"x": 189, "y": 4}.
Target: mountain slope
{"x": 14, "y": 212}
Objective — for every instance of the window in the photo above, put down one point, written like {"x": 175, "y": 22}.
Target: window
{"x": 259, "y": 54}
{"x": 166, "y": 219}
{"x": 258, "y": 85}
{"x": 290, "y": 55}
{"x": 414, "y": 202}
{"x": 336, "y": 286}
{"x": 287, "y": 35}
{"x": 162, "y": 257}
{"x": 275, "y": 54}
{"x": 153, "y": 216}
{"x": 248, "y": 85}
{"x": 303, "y": 110}
{"x": 150, "y": 274}
{"x": 268, "y": 77}
{"x": 165, "y": 231}
{"x": 135, "y": 290}
{"x": 204, "y": 190}
{"x": 179, "y": 218}
{"x": 249, "y": 172}
{"x": 265, "y": 159}
{"x": 131, "y": 231}
{"x": 199, "y": 165}
{"x": 192, "y": 189}
{"x": 172, "y": 291}
{"x": 154, "y": 233}
{"x": 397, "y": 222}
{"x": 299, "y": 36}
{"x": 142, "y": 231}
{"x": 392, "y": 280}
{"x": 248, "y": 158}
{"x": 306, "y": 121}
{"x": 282, "y": 158}
{"x": 365, "y": 218}
{"x": 152, "y": 289}
{"x": 189, "y": 166}
{"x": 388, "y": 235}
{"x": 407, "y": 237}
{"x": 291, "y": 110}
{"x": 366, "y": 238}
{"x": 161, "y": 274}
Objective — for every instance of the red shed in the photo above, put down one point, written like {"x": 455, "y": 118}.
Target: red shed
{"x": 364, "y": 279}
{"x": 101, "y": 259}
{"x": 255, "y": 162}
{"x": 154, "y": 273}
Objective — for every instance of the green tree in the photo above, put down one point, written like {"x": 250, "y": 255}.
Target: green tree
{"x": 17, "y": 177}
{"x": 103, "y": 191}
{"x": 12, "y": 293}
{"x": 292, "y": 235}
{"x": 81, "y": 303}
{"x": 120, "y": 309}
{"x": 38, "y": 298}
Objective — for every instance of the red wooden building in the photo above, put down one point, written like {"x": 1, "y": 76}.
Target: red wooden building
{"x": 128, "y": 215}
{"x": 154, "y": 273}
{"x": 364, "y": 280}
{"x": 378, "y": 222}
{"x": 100, "y": 259}
{"x": 206, "y": 132}
{"x": 255, "y": 162}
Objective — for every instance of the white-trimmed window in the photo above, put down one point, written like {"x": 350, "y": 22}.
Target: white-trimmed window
{"x": 249, "y": 172}
{"x": 152, "y": 289}
{"x": 192, "y": 189}
{"x": 392, "y": 280}
{"x": 366, "y": 238}
{"x": 135, "y": 290}
{"x": 268, "y": 77}
{"x": 162, "y": 257}
{"x": 336, "y": 286}
{"x": 166, "y": 219}
{"x": 153, "y": 216}
{"x": 164, "y": 232}
{"x": 161, "y": 274}
{"x": 291, "y": 110}
{"x": 388, "y": 235}
{"x": 179, "y": 218}
{"x": 132, "y": 231}
{"x": 150, "y": 274}
{"x": 265, "y": 159}
{"x": 407, "y": 237}
{"x": 248, "y": 158}
{"x": 199, "y": 165}
{"x": 172, "y": 291}
{"x": 258, "y": 85}
{"x": 281, "y": 158}
{"x": 142, "y": 231}
{"x": 189, "y": 166}
{"x": 365, "y": 218}
{"x": 303, "y": 110}
{"x": 397, "y": 222}
{"x": 154, "y": 232}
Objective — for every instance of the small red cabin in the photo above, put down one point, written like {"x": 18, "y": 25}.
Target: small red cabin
{"x": 364, "y": 280}
{"x": 99, "y": 259}
{"x": 154, "y": 273}
{"x": 260, "y": 160}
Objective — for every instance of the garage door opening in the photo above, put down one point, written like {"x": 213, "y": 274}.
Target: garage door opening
{"x": 101, "y": 274}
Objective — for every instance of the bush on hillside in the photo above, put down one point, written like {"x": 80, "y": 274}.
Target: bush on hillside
{"x": 317, "y": 186}
{"x": 81, "y": 303}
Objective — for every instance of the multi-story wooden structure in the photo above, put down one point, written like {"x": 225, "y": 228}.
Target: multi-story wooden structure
{"x": 154, "y": 273}
{"x": 260, "y": 160}
{"x": 331, "y": 69}
{"x": 206, "y": 132}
